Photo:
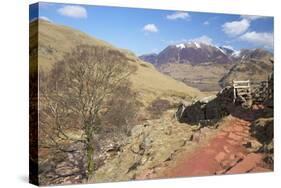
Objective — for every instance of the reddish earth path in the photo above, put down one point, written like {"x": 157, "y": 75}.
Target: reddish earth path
{"x": 223, "y": 154}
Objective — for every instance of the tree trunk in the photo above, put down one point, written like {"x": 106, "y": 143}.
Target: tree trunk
{"x": 90, "y": 162}
{"x": 89, "y": 150}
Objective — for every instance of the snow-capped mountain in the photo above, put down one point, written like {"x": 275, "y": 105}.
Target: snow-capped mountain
{"x": 191, "y": 53}
{"x": 208, "y": 67}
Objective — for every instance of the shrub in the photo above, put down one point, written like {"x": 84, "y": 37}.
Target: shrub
{"x": 158, "y": 107}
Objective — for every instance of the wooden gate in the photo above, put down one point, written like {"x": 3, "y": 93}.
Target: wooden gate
{"x": 242, "y": 92}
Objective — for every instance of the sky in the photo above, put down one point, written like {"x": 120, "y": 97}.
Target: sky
{"x": 145, "y": 31}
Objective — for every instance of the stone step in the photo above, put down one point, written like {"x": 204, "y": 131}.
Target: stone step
{"x": 247, "y": 164}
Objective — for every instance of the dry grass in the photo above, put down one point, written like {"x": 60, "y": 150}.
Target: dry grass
{"x": 152, "y": 84}
{"x": 203, "y": 77}
{"x": 56, "y": 40}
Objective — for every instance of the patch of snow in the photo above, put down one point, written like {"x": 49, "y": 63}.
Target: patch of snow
{"x": 228, "y": 47}
{"x": 181, "y": 46}
{"x": 222, "y": 51}
{"x": 236, "y": 53}
{"x": 197, "y": 45}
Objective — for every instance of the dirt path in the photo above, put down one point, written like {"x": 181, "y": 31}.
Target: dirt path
{"x": 225, "y": 153}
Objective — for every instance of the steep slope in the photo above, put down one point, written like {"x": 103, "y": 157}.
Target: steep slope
{"x": 255, "y": 65}
{"x": 56, "y": 40}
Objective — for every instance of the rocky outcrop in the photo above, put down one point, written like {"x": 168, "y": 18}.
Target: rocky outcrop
{"x": 68, "y": 165}
{"x": 262, "y": 129}
{"x": 65, "y": 167}
{"x": 149, "y": 149}
{"x": 208, "y": 109}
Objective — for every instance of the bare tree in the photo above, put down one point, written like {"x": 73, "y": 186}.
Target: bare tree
{"x": 74, "y": 94}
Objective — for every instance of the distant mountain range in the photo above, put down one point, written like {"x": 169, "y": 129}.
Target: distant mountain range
{"x": 209, "y": 67}
{"x": 192, "y": 53}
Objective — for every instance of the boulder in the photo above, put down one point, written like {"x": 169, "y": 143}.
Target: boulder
{"x": 262, "y": 129}
{"x": 193, "y": 114}
{"x": 66, "y": 169}
{"x": 208, "y": 108}
{"x": 206, "y": 100}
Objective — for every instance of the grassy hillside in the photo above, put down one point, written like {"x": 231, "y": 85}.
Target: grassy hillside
{"x": 192, "y": 74}
{"x": 57, "y": 40}
{"x": 256, "y": 66}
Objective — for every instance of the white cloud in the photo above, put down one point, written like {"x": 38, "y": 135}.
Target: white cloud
{"x": 206, "y": 23}
{"x": 150, "y": 28}
{"x": 178, "y": 15}
{"x": 203, "y": 39}
{"x": 45, "y": 18}
{"x": 262, "y": 39}
{"x": 251, "y": 18}
{"x": 73, "y": 11}
{"x": 236, "y": 27}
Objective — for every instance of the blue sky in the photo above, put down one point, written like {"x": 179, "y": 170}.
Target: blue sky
{"x": 147, "y": 30}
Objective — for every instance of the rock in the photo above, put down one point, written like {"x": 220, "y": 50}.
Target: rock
{"x": 235, "y": 137}
{"x": 240, "y": 155}
{"x": 112, "y": 147}
{"x": 215, "y": 110}
{"x": 268, "y": 148}
{"x": 219, "y": 157}
{"x": 193, "y": 114}
{"x": 254, "y": 145}
{"x": 196, "y": 137}
{"x": 262, "y": 129}
{"x": 247, "y": 164}
{"x": 46, "y": 167}
{"x": 229, "y": 163}
{"x": 51, "y": 175}
{"x": 66, "y": 169}
{"x": 148, "y": 147}
{"x": 208, "y": 108}
{"x": 220, "y": 172}
{"x": 260, "y": 169}
{"x": 238, "y": 128}
{"x": 146, "y": 143}
{"x": 135, "y": 148}
{"x": 134, "y": 166}
{"x": 137, "y": 130}
{"x": 226, "y": 149}
{"x": 168, "y": 131}
{"x": 232, "y": 142}
{"x": 247, "y": 144}
{"x": 206, "y": 100}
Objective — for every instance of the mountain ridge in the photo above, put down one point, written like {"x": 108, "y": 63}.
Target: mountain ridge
{"x": 191, "y": 53}
{"x": 207, "y": 66}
